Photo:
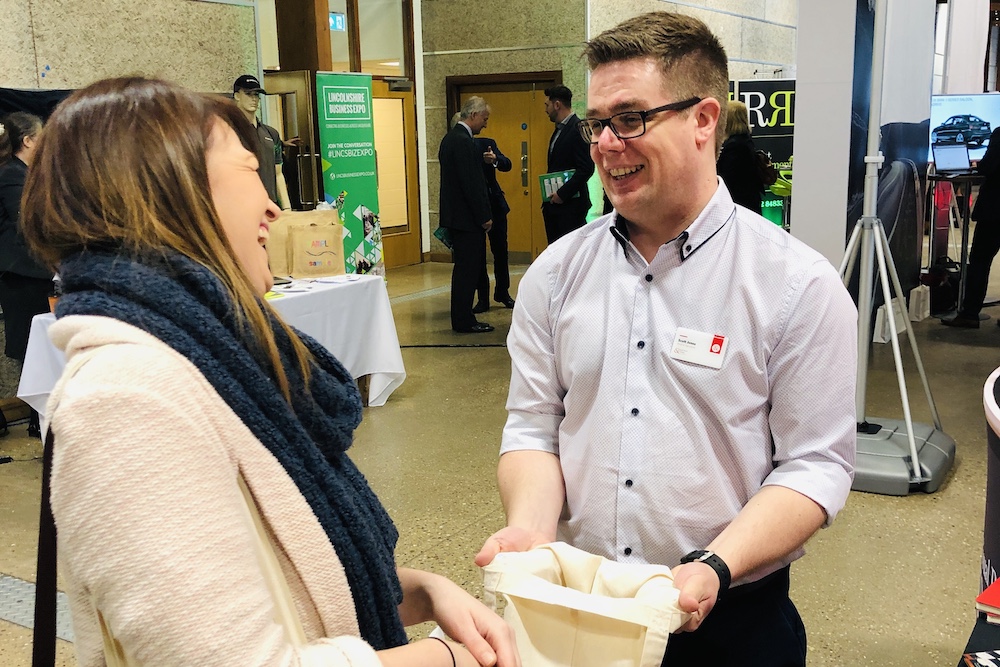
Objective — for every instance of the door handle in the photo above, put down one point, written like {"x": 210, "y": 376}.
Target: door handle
{"x": 524, "y": 164}
{"x": 302, "y": 195}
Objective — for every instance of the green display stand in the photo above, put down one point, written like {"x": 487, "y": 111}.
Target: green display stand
{"x": 772, "y": 207}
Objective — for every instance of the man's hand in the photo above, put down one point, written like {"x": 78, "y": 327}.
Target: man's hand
{"x": 488, "y": 225}
{"x": 294, "y": 141}
{"x": 509, "y": 539}
{"x": 555, "y": 198}
{"x": 489, "y": 157}
{"x": 699, "y": 587}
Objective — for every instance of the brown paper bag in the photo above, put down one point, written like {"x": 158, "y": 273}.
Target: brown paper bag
{"x": 307, "y": 244}
{"x": 277, "y": 247}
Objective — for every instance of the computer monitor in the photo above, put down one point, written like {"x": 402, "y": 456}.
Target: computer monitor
{"x": 951, "y": 158}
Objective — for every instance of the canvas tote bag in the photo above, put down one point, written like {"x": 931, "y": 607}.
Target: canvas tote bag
{"x": 570, "y": 608}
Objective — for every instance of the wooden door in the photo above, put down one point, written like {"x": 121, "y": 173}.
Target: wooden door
{"x": 395, "y": 125}
{"x": 522, "y": 131}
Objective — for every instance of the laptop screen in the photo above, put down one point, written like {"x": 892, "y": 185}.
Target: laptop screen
{"x": 952, "y": 157}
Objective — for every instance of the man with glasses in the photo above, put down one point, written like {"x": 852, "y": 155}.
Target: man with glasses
{"x": 567, "y": 208}
{"x": 683, "y": 371}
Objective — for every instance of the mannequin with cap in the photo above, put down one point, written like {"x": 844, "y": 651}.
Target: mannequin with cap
{"x": 246, "y": 93}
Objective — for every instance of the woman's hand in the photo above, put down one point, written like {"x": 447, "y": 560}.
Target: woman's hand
{"x": 465, "y": 619}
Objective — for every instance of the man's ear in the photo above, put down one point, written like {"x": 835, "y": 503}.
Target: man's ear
{"x": 706, "y": 115}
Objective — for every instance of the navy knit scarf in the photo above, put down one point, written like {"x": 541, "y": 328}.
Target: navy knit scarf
{"x": 184, "y": 305}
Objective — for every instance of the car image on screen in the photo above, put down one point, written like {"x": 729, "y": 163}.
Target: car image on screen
{"x": 961, "y": 129}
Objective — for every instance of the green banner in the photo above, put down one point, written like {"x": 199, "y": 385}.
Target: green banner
{"x": 350, "y": 180}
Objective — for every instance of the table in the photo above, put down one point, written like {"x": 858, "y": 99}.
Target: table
{"x": 349, "y": 315}
{"x": 957, "y": 181}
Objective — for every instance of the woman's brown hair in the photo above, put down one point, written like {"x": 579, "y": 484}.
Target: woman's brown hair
{"x": 121, "y": 165}
{"x": 737, "y": 119}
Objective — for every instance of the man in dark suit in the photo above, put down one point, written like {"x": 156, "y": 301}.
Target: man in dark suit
{"x": 465, "y": 211}
{"x": 492, "y": 162}
{"x": 985, "y": 240}
{"x": 567, "y": 209}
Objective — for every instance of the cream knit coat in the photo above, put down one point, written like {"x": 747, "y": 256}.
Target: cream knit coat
{"x": 153, "y": 534}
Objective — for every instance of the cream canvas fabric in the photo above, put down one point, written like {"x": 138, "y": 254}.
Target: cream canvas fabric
{"x": 571, "y": 608}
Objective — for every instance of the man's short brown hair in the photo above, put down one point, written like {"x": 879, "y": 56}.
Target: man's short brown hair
{"x": 691, "y": 58}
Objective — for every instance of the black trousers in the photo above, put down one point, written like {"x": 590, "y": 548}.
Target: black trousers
{"x": 561, "y": 219}
{"x": 757, "y": 627}
{"x": 469, "y": 254}
{"x": 21, "y": 298}
{"x": 501, "y": 267}
{"x": 985, "y": 245}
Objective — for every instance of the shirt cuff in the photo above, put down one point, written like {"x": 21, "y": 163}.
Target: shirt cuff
{"x": 532, "y": 432}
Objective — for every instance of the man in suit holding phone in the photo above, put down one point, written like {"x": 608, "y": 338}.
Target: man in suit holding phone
{"x": 494, "y": 161}
{"x": 465, "y": 211}
{"x": 567, "y": 209}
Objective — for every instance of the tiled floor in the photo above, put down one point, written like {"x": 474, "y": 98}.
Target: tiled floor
{"x": 891, "y": 584}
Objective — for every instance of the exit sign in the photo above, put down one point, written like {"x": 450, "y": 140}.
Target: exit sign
{"x": 338, "y": 22}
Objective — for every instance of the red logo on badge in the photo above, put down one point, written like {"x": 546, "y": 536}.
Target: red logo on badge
{"x": 717, "y": 342}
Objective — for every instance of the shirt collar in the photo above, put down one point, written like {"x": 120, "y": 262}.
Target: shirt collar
{"x": 467, "y": 128}
{"x": 719, "y": 210}
{"x": 565, "y": 121}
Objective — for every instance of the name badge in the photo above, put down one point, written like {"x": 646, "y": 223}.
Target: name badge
{"x": 700, "y": 348}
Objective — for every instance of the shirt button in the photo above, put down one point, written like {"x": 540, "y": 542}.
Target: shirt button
{"x": 628, "y": 551}
{"x": 635, "y": 411}
{"x": 641, "y": 344}
{"x": 649, "y": 278}
{"x": 628, "y": 483}
{"x": 687, "y": 248}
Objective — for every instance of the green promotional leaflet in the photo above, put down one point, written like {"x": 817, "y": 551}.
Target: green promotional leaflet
{"x": 350, "y": 181}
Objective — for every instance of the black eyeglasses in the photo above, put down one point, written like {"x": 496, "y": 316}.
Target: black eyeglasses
{"x": 628, "y": 124}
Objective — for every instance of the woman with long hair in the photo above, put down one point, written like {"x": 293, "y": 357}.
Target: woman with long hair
{"x": 24, "y": 283}
{"x": 207, "y": 511}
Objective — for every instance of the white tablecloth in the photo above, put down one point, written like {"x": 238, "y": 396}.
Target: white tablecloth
{"x": 350, "y": 317}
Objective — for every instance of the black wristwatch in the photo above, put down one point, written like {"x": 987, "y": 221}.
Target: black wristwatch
{"x": 713, "y": 561}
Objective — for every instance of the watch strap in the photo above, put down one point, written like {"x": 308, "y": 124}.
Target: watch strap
{"x": 712, "y": 559}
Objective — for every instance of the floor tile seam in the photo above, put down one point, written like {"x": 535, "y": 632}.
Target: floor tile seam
{"x": 436, "y": 291}
{"x": 474, "y": 522}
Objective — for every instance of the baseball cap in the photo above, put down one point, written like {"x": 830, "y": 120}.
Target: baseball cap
{"x": 248, "y": 82}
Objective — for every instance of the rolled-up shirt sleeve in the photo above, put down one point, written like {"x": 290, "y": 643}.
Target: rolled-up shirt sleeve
{"x": 813, "y": 378}
{"x": 535, "y": 401}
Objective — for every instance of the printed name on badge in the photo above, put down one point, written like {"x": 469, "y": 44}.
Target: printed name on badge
{"x": 698, "y": 347}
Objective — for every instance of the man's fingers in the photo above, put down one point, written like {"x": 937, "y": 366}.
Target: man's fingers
{"x": 488, "y": 552}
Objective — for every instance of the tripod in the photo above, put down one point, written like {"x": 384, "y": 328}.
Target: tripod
{"x": 894, "y": 457}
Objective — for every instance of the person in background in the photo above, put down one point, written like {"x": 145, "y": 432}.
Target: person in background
{"x": 246, "y": 93}
{"x": 737, "y": 163}
{"x": 494, "y": 161}
{"x": 567, "y": 209}
{"x": 24, "y": 283}
{"x": 207, "y": 510}
{"x": 985, "y": 239}
{"x": 682, "y": 370}
{"x": 464, "y": 205}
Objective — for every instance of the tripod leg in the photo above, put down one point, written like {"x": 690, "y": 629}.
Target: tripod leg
{"x": 866, "y": 299}
{"x": 850, "y": 254}
{"x": 883, "y": 275}
{"x": 909, "y": 330}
